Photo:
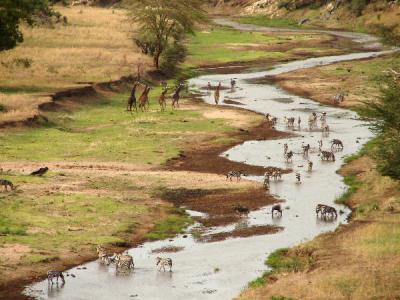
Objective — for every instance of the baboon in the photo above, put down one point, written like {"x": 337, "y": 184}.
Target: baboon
{"x": 144, "y": 98}
{"x": 132, "y": 98}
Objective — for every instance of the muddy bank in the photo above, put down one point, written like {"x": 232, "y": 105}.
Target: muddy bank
{"x": 219, "y": 205}
{"x": 205, "y": 157}
{"x": 240, "y": 232}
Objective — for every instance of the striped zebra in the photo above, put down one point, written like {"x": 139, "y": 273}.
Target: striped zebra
{"x": 276, "y": 208}
{"x": 237, "y": 174}
{"x": 266, "y": 181}
{"x": 310, "y": 166}
{"x": 330, "y": 212}
{"x": 319, "y": 209}
{"x": 306, "y": 148}
{"x": 336, "y": 144}
{"x": 285, "y": 148}
{"x": 277, "y": 174}
{"x": 54, "y": 274}
{"x": 289, "y": 156}
{"x": 124, "y": 261}
{"x": 6, "y": 183}
{"x": 327, "y": 155}
{"x": 161, "y": 263}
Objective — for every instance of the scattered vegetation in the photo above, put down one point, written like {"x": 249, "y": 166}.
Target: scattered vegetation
{"x": 174, "y": 224}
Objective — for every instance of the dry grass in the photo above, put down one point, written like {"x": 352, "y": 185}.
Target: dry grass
{"x": 359, "y": 261}
{"x": 95, "y": 46}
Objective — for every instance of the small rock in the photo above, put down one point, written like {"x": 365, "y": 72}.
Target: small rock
{"x": 133, "y": 295}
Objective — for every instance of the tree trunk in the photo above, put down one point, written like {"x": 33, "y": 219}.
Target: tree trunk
{"x": 157, "y": 58}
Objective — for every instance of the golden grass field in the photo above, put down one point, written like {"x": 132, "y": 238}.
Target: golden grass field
{"x": 95, "y": 46}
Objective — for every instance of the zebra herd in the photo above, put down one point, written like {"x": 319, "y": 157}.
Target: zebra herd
{"x": 123, "y": 263}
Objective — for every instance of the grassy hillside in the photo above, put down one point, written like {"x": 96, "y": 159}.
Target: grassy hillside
{"x": 94, "y": 46}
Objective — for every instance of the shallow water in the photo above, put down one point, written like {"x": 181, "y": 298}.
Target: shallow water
{"x": 220, "y": 270}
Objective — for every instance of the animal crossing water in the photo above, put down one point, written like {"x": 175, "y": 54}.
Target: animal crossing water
{"x": 220, "y": 270}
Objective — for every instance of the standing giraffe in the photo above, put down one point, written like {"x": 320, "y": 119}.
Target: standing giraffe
{"x": 217, "y": 93}
{"x": 144, "y": 98}
{"x": 176, "y": 96}
{"x": 162, "y": 99}
{"x": 132, "y": 98}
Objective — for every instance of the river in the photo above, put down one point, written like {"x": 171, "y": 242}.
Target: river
{"x": 220, "y": 270}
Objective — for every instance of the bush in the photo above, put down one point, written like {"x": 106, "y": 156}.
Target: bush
{"x": 358, "y": 6}
{"x": 172, "y": 57}
{"x": 386, "y": 114}
{"x": 388, "y": 34}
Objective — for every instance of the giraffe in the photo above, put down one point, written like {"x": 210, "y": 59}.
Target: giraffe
{"x": 144, "y": 98}
{"x": 132, "y": 98}
{"x": 176, "y": 96}
{"x": 217, "y": 93}
{"x": 163, "y": 98}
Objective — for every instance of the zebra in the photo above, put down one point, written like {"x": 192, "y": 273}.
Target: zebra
{"x": 54, "y": 274}
{"x": 320, "y": 145}
{"x": 6, "y": 183}
{"x": 338, "y": 98}
{"x": 298, "y": 177}
{"x": 161, "y": 263}
{"x": 233, "y": 83}
{"x": 276, "y": 208}
{"x": 312, "y": 120}
{"x": 320, "y": 208}
{"x": 288, "y": 156}
{"x": 277, "y": 174}
{"x": 237, "y": 174}
{"x": 327, "y": 155}
{"x": 266, "y": 181}
{"x": 298, "y": 122}
{"x": 241, "y": 209}
{"x": 310, "y": 166}
{"x": 103, "y": 256}
{"x": 338, "y": 144}
{"x": 285, "y": 148}
{"x": 124, "y": 261}
{"x": 306, "y": 148}
{"x": 329, "y": 212}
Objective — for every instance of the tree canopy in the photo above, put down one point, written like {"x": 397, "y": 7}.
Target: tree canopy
{"x": 12, "y": 13}
{"x": 164, "y": 22}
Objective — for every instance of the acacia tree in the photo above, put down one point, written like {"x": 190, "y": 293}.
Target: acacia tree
{"x": 13, "y": 12}
{"x": 164, "y": 22}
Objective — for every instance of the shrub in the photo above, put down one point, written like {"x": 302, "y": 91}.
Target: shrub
{"x": 172, "y": 57}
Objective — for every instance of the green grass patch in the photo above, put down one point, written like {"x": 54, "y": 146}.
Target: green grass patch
{"x": 170, "y": 226}
{"x": 353, "y": 185}
{"x": 105, "y": 132}
{"x": 280, "y": 261}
